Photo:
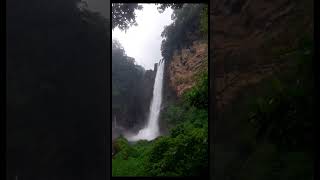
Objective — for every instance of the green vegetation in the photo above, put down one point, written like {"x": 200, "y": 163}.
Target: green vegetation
{"x": 280, "y": 120}
{"x": 198, "y": 95}
{"x": 130, "y": 158}
{"x": 186, "y": 28}
{"x": 204, "y": 21}
{"x": 184, "y": 152}
{"x": 127, "y": 88}
{"x": 123, "y": 15}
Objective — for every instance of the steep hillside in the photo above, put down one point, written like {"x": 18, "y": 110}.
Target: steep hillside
{"x": 248, "y": 38}
{"x": 131, "y": 91}
{"x": 185, "y": 50}
{"x": 185, "y": 65}
{"x": 255, "y": 49}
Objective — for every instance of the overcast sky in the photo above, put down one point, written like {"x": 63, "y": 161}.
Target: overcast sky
{"x": 143, "y": 42}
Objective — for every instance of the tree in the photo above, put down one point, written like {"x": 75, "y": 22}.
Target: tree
{"x": 127, "y": 87}
{"x": 184, "y": 29}
{"x": 123, "y": 15}
{"x": 173, "y": 6}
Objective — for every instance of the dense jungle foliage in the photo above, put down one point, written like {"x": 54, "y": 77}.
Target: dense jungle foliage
{"x": 182, "y": 153}
{"x": 127, "y": 86}
{"x": 189, "y": 23}
{"x": 279, "y": 122}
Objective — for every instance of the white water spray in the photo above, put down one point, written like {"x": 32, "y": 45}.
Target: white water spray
{"x": 151, "y": 131}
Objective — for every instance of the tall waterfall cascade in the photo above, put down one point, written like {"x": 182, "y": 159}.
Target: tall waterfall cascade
{"x": 151, "y": 130}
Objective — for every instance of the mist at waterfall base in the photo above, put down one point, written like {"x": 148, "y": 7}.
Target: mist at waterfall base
{"x": 151, "y": 130}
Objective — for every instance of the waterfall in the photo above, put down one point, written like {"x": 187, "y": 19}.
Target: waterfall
{"x": 151, "y": 130}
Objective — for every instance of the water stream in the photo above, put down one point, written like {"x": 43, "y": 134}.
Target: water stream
{"x": 151, "y": 130}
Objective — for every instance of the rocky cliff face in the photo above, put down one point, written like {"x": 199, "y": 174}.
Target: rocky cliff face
{"x": 180, "y": 73}
{"x": 182, "y": 69}
{"x": 185, "y": 65}
{"x": 140, "y": 107}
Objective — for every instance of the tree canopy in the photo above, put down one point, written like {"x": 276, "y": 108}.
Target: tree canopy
{"x": 127, "y": 87}
{"x": 183, "y": 31}
{"x": 123, "y": 15}
{"x": 162, "y": 7}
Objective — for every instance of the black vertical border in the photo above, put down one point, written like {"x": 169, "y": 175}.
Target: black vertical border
{"x": 211, "y": 99}
{"x": 3, "y": 79}
{"x": 110, "y": 97}
{"x": 316, "y": 87}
